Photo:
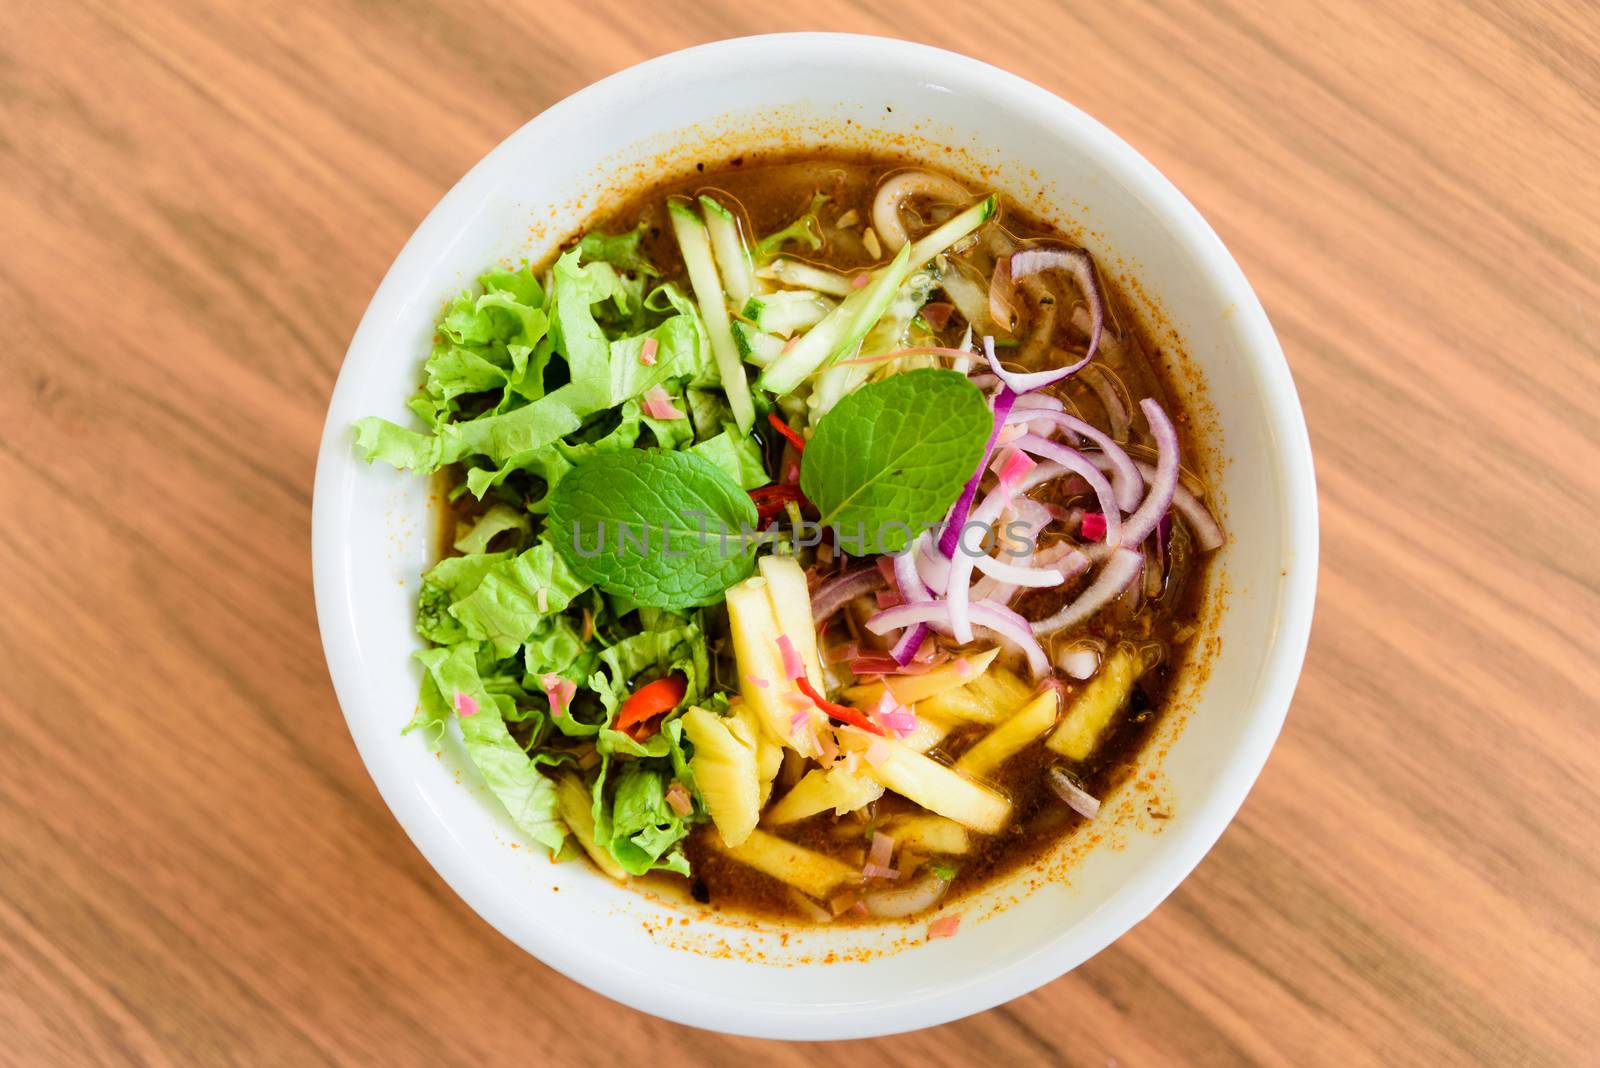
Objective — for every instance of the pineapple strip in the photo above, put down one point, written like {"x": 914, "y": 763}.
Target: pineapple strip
{"x": 755, "y": 646}
{"x": 929, "y": 834}
{"x": 819, "y": 791}
{"x": 1094, "y": 708}
{"x": 940, "y": 789}
{"x": 791, "y": 607}
{"x": 806, "y": 870}
{"x": 931, "y": 729}
{"x": 725, "y": 771}
{"x": 1011, "y": 737}
{"x": 962, "y": 704}
{"x": 574, "y": 801}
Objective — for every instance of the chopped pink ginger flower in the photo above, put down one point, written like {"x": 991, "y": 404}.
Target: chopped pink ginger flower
{"x": 678, "y": 797}
{"x": 757, "y": 681}
{"x": 560, "y": 691}
{"x": 860, "y": 281}
{"x": 647, "y": 352}
{"x": 793, "y": 666}
{"x": 944, "y": 926}
{"x": 1012, "y": 465}
{"x": 877, "y": 752}
{"x": 1093, "y": 526}
{"x": 465, "y": 705}
{"x": 658, "y": 405}
{"x": 937, "y": 313}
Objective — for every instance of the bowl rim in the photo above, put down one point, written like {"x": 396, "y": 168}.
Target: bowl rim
{"x": 337, "y": 469}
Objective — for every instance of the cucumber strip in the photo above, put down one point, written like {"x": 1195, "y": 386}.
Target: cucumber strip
{"x": 841, "y": 331}
{"x": 787, "y": 310}
{"x": 696, "y": 247}
{"x": 733, "y": 259}
{"x": 954, "y": 229}
{"x": 798, "y": 275}
{"x": 840, "y": 379}
{"x": 969, "y": 298}
{"x": 754, "y": 346}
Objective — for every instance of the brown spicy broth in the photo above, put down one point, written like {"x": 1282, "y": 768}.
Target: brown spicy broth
{"x": 769, "y": 194}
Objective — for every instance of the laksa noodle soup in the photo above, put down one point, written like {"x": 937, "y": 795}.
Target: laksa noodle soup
{"x": 819, "y": 539}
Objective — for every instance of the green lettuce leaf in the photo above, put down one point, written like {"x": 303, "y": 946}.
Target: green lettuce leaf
{"x": 497, "y": 520}
{"x": 643, "y": 831}
{"x": 515, "y": 596}
{"x": 738, "y": 455}
{"x": 513, "y": 777}
{"x": 442, "y": 586}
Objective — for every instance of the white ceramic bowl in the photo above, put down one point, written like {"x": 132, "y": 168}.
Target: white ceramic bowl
{"x": 371, "y": 534}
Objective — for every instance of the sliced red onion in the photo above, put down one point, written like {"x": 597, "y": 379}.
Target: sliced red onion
{"x": 1080, "y": 662}
{"x": 958, "y": 591}
{"x": 905, "y": 574}
{"x": 963, "y": 506}
{"x": 881, "y": 852}
{"x": 907, "y": 615}
{"x": 835, "y": 593}
{"x": 1019, "y": 574}
{"x": 905, "y": 650}
{"x": 1078, "y": 263}
{"x": 1163, "y": 483}
{"x": 1079, "y": 464}
{"x": 1208, "y": 533}
{"x": 1110, "y": 398}
{"x": 1026, "y": 382}
{"x": 933, "y": 566}
{"x": 914, "y": 592}
{"x": 1125, "y": 476}
{"x": 1013, "y": 629}
{"x": 919, "y": 895}
{"x": 1003, "y": 295}
{"x": 1118, "y": 573}
{"x": 1065, "y": 559}
{"x": 1077, "y": 799}
{"x": 1039, "y": 400}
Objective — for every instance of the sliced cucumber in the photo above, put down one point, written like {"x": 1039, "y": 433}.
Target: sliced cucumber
{"x": 787, "y": 310}
{"x": 798, "y": 275}
{"x": 754, "y": 346}
{"x": 696, "y": 248}
{"x": 954, "y": 229}
{"x": 841, "y": 332}
{"x": 888, "y": 335}
{"x": 733, "y": 258}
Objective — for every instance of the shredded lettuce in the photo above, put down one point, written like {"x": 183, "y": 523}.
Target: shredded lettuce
{"x": 525, "y": 381}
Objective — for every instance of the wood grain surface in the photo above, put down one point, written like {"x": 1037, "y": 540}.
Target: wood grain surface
{"x": 197, "y": 201}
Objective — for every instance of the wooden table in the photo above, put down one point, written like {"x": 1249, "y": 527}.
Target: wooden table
{"x": 198, "y": 201}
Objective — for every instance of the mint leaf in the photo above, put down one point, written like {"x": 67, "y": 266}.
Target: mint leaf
{"x": 890, "y": 458}
{"x": 661, "y": 528}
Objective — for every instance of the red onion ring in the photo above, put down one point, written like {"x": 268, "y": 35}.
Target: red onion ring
{"x": 1005, "y": 623}
{"x": 1003, "y": 296}
{"x": 1117, "y": 575}
{"x": 1163, "y": 483}
{"x": 963, "y": 506}
{"x": 912, "y": 589}
{"x": 1077, "y": 799}
{"x": 837, "y": 592}
{"x": 1078, "y": 263}
{"x": 1126, "y": 478}
{"x": 1208, "y": 533}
